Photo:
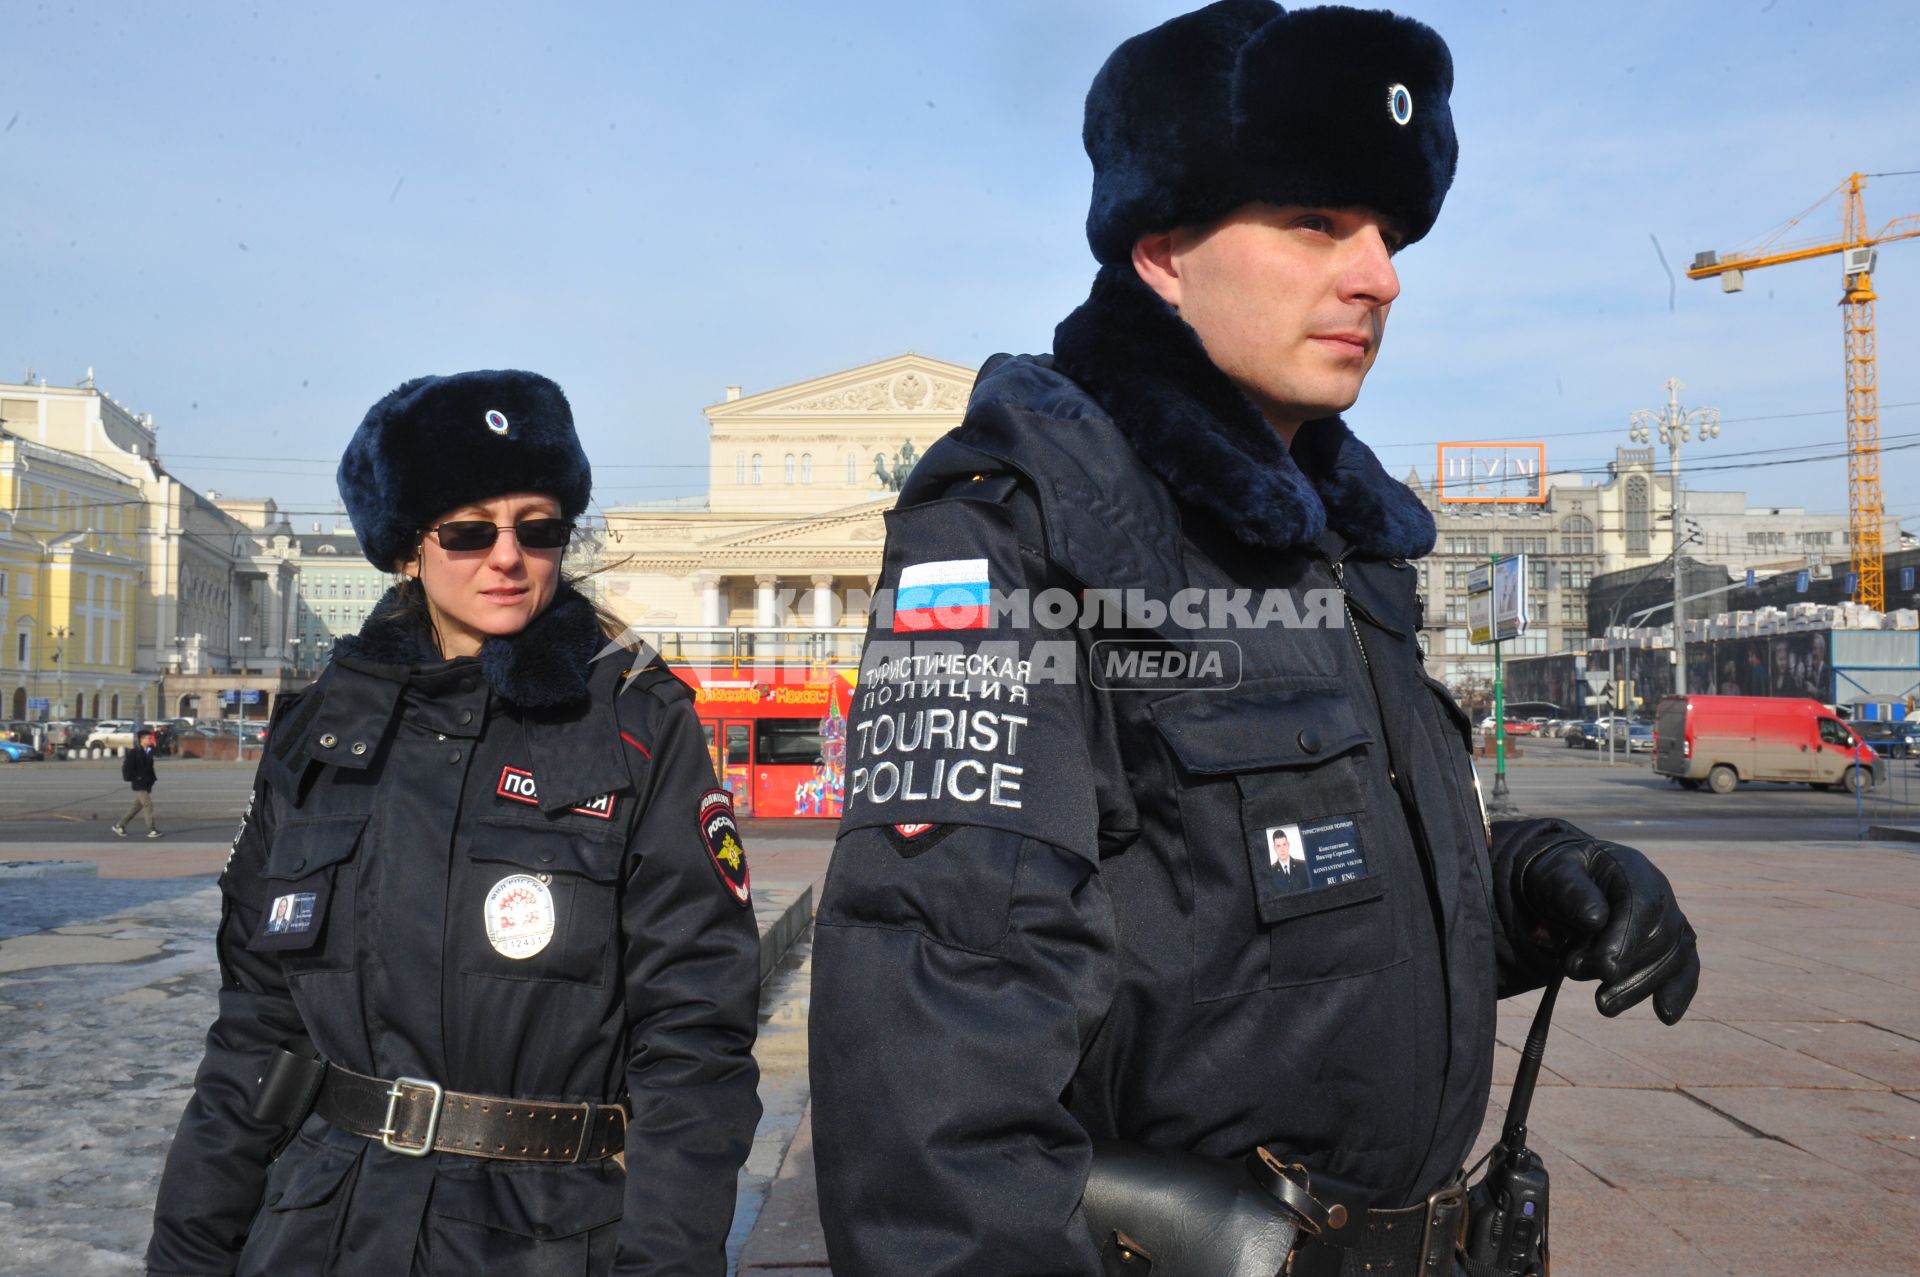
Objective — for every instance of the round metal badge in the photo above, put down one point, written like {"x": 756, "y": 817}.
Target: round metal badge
{"x": 519, "y": 916}
{"x": 497, "y": 420}
{"x": 1399, "y": 103}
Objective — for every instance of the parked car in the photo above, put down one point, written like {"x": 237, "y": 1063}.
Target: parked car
{"x": 111, "y": 733}
{"x": 1723, "y": 740}
{"x": 64, "y": 735}
{"x": 1889, "y": 740}
{"x": 1640, "y": 738}
{"x": 14, "y": 751}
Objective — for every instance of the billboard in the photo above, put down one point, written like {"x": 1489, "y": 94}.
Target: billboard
{"x": 1497, "y": 600}
{"x": 1492, "y": 473}
{"x": 1794, "y": 664}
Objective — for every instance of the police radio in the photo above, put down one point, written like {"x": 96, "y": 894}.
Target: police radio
{"x": 1507, "y": 1232}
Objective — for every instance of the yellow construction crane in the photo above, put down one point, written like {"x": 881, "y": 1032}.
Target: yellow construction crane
{"x": 1865, "y": 511}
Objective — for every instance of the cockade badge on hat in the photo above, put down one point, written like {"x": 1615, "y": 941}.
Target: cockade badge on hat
{"x": 1400, "y": 104}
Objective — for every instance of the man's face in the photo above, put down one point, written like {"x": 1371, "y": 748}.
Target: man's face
{"x": 1290, "y": 302}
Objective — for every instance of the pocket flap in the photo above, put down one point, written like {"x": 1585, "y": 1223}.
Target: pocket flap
{"x": 543, "y": 1202}
{"x": 545, "y": 848}
{"x": 1278, "y": 908}
{"x": 1254, "y": 728}
{"x": 308, "y": 1173}
{"x": 304, "y": 846}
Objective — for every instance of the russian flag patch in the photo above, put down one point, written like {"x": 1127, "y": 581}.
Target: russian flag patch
{"x": 947, "y": 594}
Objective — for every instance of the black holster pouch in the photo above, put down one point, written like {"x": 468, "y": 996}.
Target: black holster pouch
{"x": 289, "y": 1086}
{"x": 1171, "y": 1214}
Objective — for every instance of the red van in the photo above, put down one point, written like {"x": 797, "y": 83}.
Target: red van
{"x": 1723, "y": 740}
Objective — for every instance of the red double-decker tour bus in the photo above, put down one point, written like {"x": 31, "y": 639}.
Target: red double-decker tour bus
{"x": 777, "y": 737}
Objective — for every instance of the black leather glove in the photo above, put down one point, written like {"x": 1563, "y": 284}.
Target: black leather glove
{"x": 1612, "y": 917}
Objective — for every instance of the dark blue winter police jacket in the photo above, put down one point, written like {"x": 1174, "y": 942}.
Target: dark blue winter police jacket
{"x": 394, "y": 798}
{"x": 1188, "y": 851}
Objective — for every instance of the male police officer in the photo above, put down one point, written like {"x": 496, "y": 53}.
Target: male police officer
{"x": 1053, "y": 915}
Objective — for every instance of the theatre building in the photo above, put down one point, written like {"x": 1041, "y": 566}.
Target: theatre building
{"x": 758, "y": 591}
{"x": 789, "y": 533}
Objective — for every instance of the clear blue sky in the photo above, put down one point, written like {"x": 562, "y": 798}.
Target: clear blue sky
{"x": 254, "y": 219}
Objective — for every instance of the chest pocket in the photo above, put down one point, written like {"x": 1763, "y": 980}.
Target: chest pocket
{"x": 1294, "y": 877}
{"x": 307, "y": 888}
{"x": 558, "y": 926}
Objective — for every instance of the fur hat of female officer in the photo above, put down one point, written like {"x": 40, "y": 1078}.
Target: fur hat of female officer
{"x": 1243, "y": 101}
{"x": 440, "y": 442}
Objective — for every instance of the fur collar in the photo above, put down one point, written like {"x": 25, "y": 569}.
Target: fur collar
{"x": 542, "y": 667}
{"x": 1209, "y": 444}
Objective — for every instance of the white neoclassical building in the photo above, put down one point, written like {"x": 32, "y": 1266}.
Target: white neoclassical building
{"x": 790, "y": 532}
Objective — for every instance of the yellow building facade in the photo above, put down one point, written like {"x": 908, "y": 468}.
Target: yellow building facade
{"x": 70, "y": 578}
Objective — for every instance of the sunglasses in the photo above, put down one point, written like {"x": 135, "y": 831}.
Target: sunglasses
{"x": 478, "y": 534}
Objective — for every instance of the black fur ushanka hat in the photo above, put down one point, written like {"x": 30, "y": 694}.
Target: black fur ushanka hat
{"x": 1244, "y": 101}
{"x": 440, "y": 442}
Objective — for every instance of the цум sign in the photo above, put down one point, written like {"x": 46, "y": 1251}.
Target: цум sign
{"x": 1492, "y": 472}
{"x": 1497, "y": 601}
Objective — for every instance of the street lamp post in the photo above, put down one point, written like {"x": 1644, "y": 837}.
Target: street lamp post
{"x": 1674, "y": 426}
{"x": 240, "y": 733}
{"x": 60, "y": 634}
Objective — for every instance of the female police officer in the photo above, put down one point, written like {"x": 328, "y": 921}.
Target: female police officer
{"x": 489, "y": 891}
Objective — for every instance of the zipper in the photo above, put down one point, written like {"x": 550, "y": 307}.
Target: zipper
{"x": 1417, "y": 831}
{"x": 1339, "y": 568}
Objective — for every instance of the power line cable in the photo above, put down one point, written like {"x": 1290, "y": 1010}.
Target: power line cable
{"x": 1614, "y": 430}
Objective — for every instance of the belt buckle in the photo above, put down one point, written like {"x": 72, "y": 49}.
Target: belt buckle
{"x": 394, "y": 1094}
{"x": 586, "y": 1132}
{"x": 1451, "y": 1199}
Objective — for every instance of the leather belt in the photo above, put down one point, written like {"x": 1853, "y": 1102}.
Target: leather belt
{"x": 1342, "y": 1237}
{"x": 415, "y": 1117}
{"x": 1417, "y": 1239}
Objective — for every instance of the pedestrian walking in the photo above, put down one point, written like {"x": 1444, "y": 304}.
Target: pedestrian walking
{"x": 1151, "y": 603}
{"x": 136, "y": 768}
{"x": 489, "y": 969}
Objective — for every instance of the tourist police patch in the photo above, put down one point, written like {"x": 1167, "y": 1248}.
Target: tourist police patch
{"x": 722, "y": 839}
